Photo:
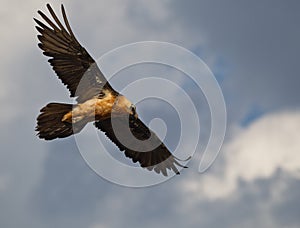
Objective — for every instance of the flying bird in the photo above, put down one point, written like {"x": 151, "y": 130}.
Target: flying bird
{"x": 96, "y": 101}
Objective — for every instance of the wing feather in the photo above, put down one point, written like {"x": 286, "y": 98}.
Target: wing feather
{"x": 71, "y": 62}
{"x": 158, "y": 159}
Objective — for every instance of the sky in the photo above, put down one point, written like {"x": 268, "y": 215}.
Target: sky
{"x": 252, "y": 49}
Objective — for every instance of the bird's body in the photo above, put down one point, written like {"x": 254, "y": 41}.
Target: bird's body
{"x": 96, "y": 100}
{"x": 90, "y": 110}
{"x": 99, "y": 109}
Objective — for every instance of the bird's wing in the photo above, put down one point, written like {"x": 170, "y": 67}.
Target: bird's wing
{"x": 71, "y": 62}
{"x": 157, "y": 158}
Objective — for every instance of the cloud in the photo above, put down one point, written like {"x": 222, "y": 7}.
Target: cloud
{"x": 232, "y": 196}
{"x": 270, "y": 143}
{"x": 258, "y": 44}
{"x": 264, "y": 202}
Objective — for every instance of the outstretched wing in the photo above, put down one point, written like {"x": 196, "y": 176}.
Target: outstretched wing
{"x": 69, "y": 59}
{"x": 158, "y": 158}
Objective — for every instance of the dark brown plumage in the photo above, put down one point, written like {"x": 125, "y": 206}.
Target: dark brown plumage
{"x": 159, "y": 158}
{"x": 95, "y": 100}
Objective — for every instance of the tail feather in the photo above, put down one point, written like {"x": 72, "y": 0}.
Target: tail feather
{"x": 50, "y": 125}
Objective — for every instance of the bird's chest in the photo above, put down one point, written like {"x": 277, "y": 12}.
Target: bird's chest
{"x": 94, "y": 109}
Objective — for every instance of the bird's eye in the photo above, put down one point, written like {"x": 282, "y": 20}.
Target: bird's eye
{"x": 132, "y": 108}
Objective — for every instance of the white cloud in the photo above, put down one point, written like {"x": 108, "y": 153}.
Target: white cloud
{"x": 271, "y": 142}
{"x": 257, "y": 151}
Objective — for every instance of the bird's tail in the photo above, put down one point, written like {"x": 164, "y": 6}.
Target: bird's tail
{"x": 50, "y": 125}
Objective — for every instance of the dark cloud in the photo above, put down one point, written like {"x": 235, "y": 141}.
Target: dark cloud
{"x": 71, "y": 194}
{"x": 285, "y": 210}
{"x": 76, "y": 197}
{"x": 68, "y": 189}
{"x": 260, "y": 45}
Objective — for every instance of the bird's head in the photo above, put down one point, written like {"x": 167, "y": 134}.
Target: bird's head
{"x": 124, "y": 106}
